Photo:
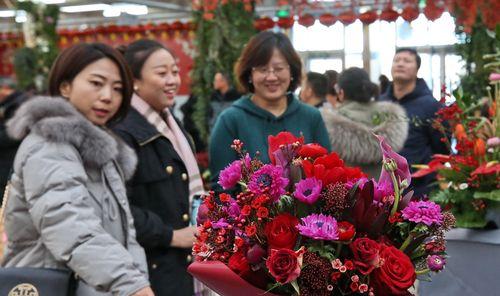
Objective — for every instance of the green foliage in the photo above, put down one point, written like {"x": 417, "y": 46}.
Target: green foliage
{"x": 467, "y": 214}
{"x": 32, "y": 65}
{"x": 219, "y": 43}
{"x": 480, "y": 42}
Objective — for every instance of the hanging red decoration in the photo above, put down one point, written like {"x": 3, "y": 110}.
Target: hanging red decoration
{"x": 347, "y": 17}
{"x": 490, "y": 11}
{"x": 327, "y": 19}
{"x": 465, "y": 12}
{"x": 410, "y": 13}
{"x": 306, "y": 20}
{"x": 432, "y": 11}
{"x": 389, "y": 14}
{"x": 368, "y": 17}
{"x": 176, "y": 26}
{"x": 285, "y": 22}
{"x": 263, "y": 23}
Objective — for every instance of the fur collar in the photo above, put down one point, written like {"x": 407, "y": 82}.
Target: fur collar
{"x": 57, "y": 120}
{"x": 351, "y": 128}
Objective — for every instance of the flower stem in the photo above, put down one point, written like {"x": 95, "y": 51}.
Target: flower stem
{"x": 396, "y": 193}
{"x": 339, "y": 248}
{"x": 423, "y": 271}
{"x": 407, "y": 241}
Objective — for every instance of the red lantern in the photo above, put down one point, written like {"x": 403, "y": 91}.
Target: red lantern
{"x": 368, "y": 17}
{"x": 263, "y": 23}
{"x": 347, "y": 17}
{"x": 432, "y": 11}
{"x": 490, "y": 11}
{"x": 410, "y": 13}
{"x": 285, "y": 22}
{"x": 306, "y": 20}
{"x": 327, "y": 19}
{"x": 389, "y": 14}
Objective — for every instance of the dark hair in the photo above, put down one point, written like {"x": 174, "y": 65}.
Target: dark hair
{"x": 318, "y": 83}
{"x": 332, "y": 77}
{"x": 384, "y": 83}
{"x": 74, "y": 59}
{"x": 413, "y": 52}
{"x": 356, "y": 85}
{"x": 258, "y": 52}
{"x": 136, "y": 54}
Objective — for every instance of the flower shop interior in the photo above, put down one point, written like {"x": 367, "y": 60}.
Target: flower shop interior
{"x": 458, "y": 46}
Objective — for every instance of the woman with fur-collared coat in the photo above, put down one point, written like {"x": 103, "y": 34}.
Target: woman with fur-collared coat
{"x": 67, "y": 207}
{"x": 352, "y": 125}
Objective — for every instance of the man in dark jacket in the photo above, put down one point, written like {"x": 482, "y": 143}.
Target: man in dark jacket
{"x": 9, "y": 102}
{"x": 413, "y": 94}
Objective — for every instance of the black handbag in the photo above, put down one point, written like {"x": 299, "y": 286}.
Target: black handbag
{"x": 28, "y": 281}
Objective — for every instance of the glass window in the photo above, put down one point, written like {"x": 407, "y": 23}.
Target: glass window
{"x": 354, "y": 37}
{"x": 318, "y": 37}
{"x": 354, "y": 60}
{"x": 454, "y": 68}
{"x": 382, "y": 47}
{"x": 422, "y": 32}
{"x": 321, "y": 65}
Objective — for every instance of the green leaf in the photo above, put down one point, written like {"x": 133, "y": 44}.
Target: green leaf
{"x": 492, "y": 195}
{"x": 295, "y": 286}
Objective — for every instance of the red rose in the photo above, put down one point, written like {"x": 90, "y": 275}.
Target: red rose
{"x": 346, "y": 230}
{"x": 239, "y": 263}
{"x": 366, "y": 254}
{"x": 281, "y": 232}
{"x": 312, "y": 150}
{"x": 284, "y": 264}
{"x": 283, "y": 138}
{"x": 330, "y": 169}
{"x": 396, "y": 274}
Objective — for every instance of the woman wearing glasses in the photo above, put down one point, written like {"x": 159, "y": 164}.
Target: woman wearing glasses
{"x": 269, "y": 70}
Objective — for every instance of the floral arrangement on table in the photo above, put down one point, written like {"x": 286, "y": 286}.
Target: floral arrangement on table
{"x": 471, "y": 176}
{"x": 307, "y": 224}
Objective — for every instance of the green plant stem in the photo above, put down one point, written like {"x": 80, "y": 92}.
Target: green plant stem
{"x": 407, "y": 241}
{"x": 339, "y": 248}
{"x": 396, "y": 193}
{"x": 423, "y": 271}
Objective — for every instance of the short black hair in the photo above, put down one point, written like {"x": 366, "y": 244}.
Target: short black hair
{"x": 332, "y": 77}
{"x": 318, "y": 83}
{"x": 137, "y": 53}
{"x": 258, "y": 52}
{"x": 357, "y": 85}
{"x": 74, "y": 59}
{"x": 413, "y": 51}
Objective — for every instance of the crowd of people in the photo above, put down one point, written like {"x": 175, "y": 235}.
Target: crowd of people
{"x": 103, "y": 176}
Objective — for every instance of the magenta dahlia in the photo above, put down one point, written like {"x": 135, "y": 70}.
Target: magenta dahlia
{"x": 230, "y": 176}
{"x": 308, "y": 190}
{"x": 435, "y": 262}
{"x": 268, "y": 179}
{"x": 426, "y": 212}
{"x": 319, "y": 227}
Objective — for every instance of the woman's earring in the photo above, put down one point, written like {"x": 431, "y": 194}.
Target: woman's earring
{"x": 291, "y": 78}
{"x": 136, "y": 88}
{"x": 250, "y": 81}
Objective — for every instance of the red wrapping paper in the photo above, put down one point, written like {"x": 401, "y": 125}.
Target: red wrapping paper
{"x": 221, "y": 279}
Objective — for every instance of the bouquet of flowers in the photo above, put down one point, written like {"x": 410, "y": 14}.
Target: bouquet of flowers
{"x": 471, "y": 176}
{"x": 307, "y": 224}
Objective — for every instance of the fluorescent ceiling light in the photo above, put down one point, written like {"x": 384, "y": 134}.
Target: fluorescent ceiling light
{"x": 84, "y": 8}
{"x": 116, "y": 9}
{"x": 7, "y": 13}
{"x": 53, "y": 1}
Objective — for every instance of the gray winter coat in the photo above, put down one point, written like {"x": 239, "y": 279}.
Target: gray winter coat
{"x": 67, "y": 205}
{"x": 351, "y": 128}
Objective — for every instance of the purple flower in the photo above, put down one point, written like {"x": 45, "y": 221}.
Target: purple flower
{"x": 493, "y": 142}
{"x": 426, "y": 212}
{"x": 202, "y": 214}
{"x": 222, "y": 223}
{"x": 233, "y": 209}
{"x": 436, "y": 262}
{"x": 230, "y": 176}
{"x": 319, "y": 227}
{"x": 268, "y": 180}
{"x": 402, "y": 170}
{"x": 308, "y": 190}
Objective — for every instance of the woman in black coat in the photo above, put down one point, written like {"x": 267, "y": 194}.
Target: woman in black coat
{"x": 167, "y": 176}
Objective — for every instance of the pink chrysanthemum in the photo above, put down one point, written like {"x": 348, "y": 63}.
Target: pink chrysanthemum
{"x": 230, "y": 176}
{"x": 319, "y": 227}
{"x": 268, "y": 180}
{"x": 435, "y": 262}
{"x": 308, "y": 190}
{"x": 426, "y": 212}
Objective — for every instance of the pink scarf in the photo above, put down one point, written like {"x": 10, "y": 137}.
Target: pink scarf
{"x": 169, "y": 128}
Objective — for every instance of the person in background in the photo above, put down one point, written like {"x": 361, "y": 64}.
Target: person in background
{"x": 384, "y": 83}
{"x": 413, "y": 94}
{"x": 354, "y": 122}
{"x": 331, "y": 93}
{"x": 269, "y": 69}
{"x": 67, "y": 207}
{"x": 223, "y": 96}
{"x": 10, "y": 100}
{"x": 314, "y": 89}
{"x": 167, "y": 177}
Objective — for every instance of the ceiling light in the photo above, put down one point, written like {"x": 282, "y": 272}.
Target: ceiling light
{"x": 7, "y": 13}
{"x": 84, "y": 8}
{"x": 116, "y": 9}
